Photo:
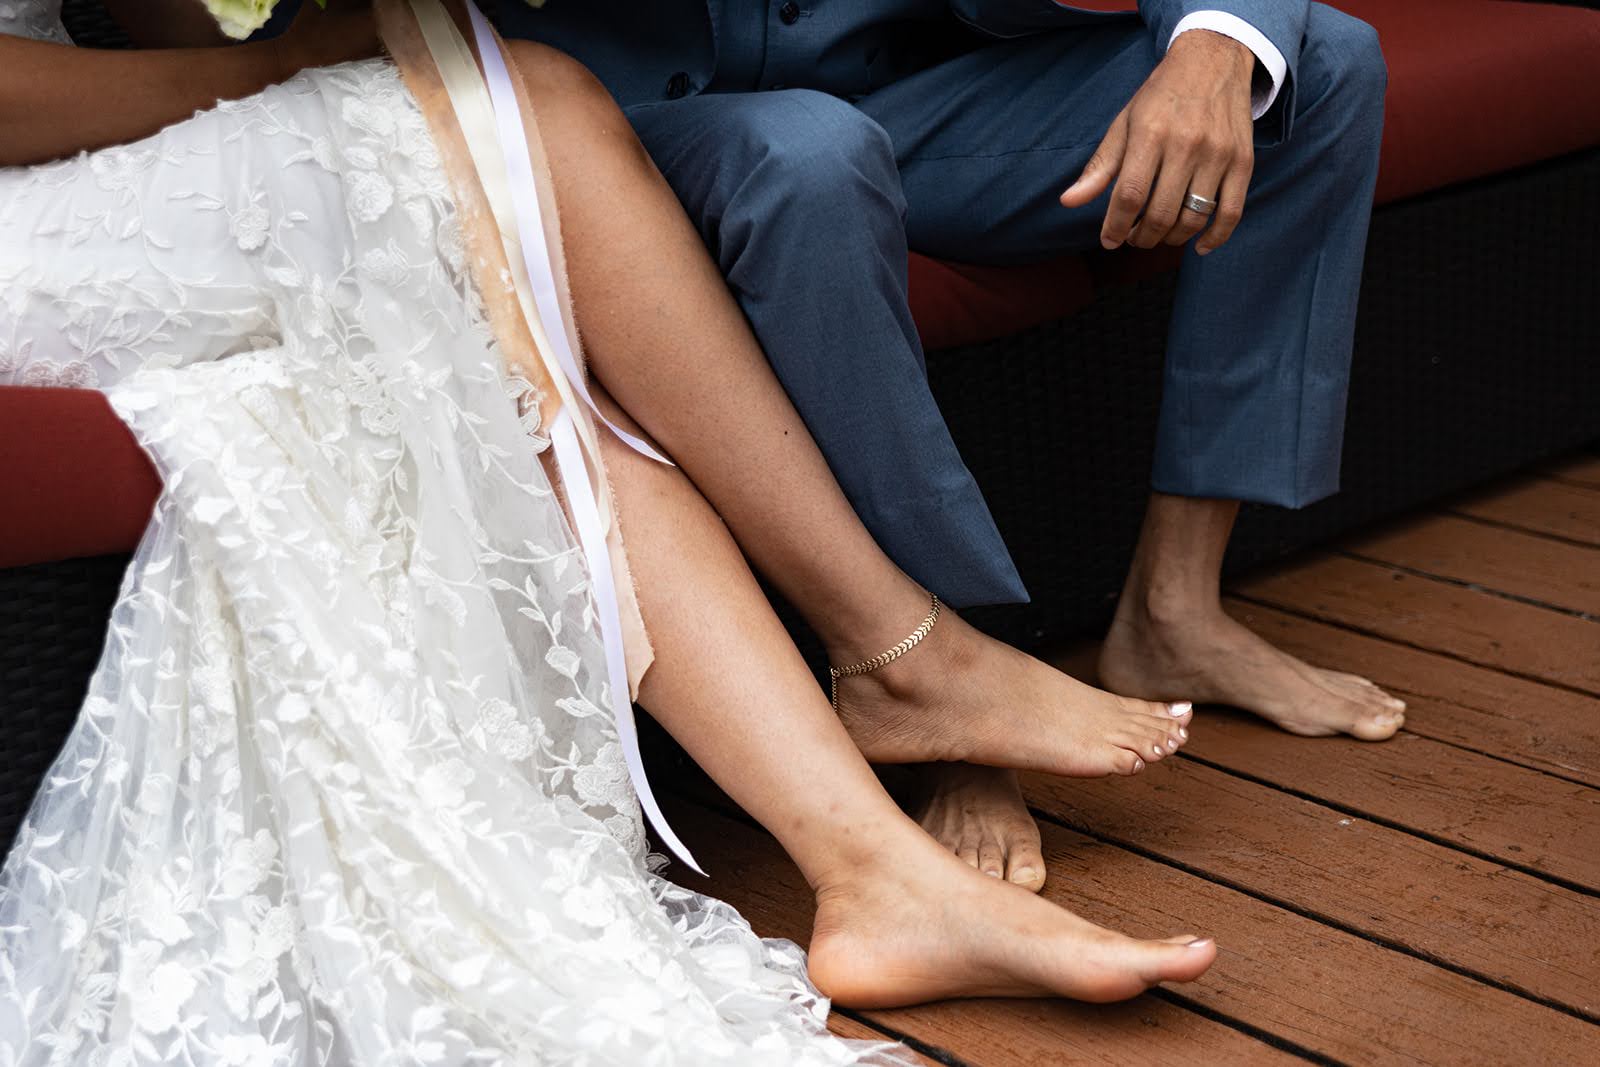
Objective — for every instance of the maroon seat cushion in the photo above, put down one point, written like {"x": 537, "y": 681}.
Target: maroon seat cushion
{"x": 72, "y": 480}
{"x": 1475, "y": 87}
{"x": 1481, "y": 86}
{"x": 958, "y": 303}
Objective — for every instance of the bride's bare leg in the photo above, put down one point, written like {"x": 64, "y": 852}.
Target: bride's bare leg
{"x": 900, "y": 920}
{"x": 665, "y": 336}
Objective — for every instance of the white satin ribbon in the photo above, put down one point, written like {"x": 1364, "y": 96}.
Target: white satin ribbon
{"x": 505, "y": 169}
{"x": 530, "y": 227}
{"x": 591, "y": 535}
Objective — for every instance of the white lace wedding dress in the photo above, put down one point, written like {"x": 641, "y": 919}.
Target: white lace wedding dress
{"x": 346, "y": 788}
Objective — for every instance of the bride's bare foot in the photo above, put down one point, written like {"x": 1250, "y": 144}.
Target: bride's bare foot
{"x": 1210, "y": 658}
{"x": 961, "y": 696}
{"x": 978, "y": 813}
{"x": 928, "y": 927}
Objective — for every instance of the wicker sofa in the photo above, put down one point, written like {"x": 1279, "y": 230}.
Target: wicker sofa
{"x": 1478, "y": 351}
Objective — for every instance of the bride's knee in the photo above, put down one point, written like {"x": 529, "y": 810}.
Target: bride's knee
{"x": 556, "y": 79}
{"x": 578, "y": 116}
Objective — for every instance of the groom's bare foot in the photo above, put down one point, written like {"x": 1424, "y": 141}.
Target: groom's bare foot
{"x": 978, "y": 813}
{"x": 928, "y": 927}
{"x": 1212, "y": 659}
{"x": 961, "y": 696}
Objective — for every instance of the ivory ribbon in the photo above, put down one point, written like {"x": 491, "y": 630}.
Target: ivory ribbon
{"x": 490, "y": 152}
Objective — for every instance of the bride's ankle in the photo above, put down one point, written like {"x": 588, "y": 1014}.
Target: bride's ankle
{"x": 890, "y": 663}
{"x": 851, "y": 637}
{"x": 867, "y": 858}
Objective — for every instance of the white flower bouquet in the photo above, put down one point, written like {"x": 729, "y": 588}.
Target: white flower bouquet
{"x": 240, "y": 18}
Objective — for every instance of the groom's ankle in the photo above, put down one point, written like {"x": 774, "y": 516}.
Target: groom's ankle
{"x": 1168, "y": 608}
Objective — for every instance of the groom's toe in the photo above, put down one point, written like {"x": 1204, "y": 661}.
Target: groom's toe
{"x": 992, "y": 857}
{"x": 1024, "y": 860}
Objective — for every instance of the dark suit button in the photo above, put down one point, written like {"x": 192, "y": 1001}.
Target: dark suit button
{"x": 789, "y": 13}
{"x": 677, "y": 85}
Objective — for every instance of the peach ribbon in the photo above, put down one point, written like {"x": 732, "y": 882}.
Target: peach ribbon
{"x": 489, "y": 146}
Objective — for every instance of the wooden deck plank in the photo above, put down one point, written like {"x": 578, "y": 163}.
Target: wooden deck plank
{"x": 854, "y": 1030}
{"x": 1148, "y": 1031}
{"x": 1323, "y": 989}
{"x": 1514, "y": 719}
{"x": 1582, "y": 469}
{"x": 1558, "y": 573}
{"x": 1558, "y": 509}
{"x": 1309, "y": 985}
{"x": 1499, "y": 924}
{"x": 1478, "y": 627}
{"x": 1507, "y": 813}
{"x": 751, "y": 872}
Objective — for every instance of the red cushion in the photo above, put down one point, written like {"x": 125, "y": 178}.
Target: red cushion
{"x": 1481, "y": 86}
{"x": 958, "y": 303}
{"x": 72, "y": 480}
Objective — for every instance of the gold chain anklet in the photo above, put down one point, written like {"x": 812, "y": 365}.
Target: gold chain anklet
{"x": 883, "y": 659}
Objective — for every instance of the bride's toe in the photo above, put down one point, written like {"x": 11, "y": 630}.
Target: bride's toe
{"x": 1181, "y": 959}
{"x": 1110, "y": 966}
{"x": 1157, "y": 744}
{"x": 1154, "y": 711}
{"x": 1132, "y": 747}
{"x": 1378, "y": 726}
{"x": 1126, "y": 760}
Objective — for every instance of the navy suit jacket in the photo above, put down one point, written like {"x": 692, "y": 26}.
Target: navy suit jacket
{"x": 651, "y": 50}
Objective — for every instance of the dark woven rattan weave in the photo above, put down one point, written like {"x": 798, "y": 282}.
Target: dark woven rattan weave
{"x": 52, "y": 625}
{"x": 90, "y": 26}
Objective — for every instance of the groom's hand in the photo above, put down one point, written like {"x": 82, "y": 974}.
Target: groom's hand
{"x": 1187, "y": 130}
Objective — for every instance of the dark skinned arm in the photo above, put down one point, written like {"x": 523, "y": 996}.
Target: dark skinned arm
{"x": 56, "y": 100}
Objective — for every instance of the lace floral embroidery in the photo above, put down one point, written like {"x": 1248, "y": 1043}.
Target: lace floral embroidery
{"x": 346, "y": 788}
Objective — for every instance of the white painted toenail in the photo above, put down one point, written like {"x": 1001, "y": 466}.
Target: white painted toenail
{"x": 1138, "y": 764}
{"x": 1183, "y": 733}
{"x": 1158, "y": 751}
{"x": 1178, "y": 711}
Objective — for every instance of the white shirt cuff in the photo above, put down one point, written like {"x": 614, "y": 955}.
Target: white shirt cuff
{"x": 1237, "y": 28}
